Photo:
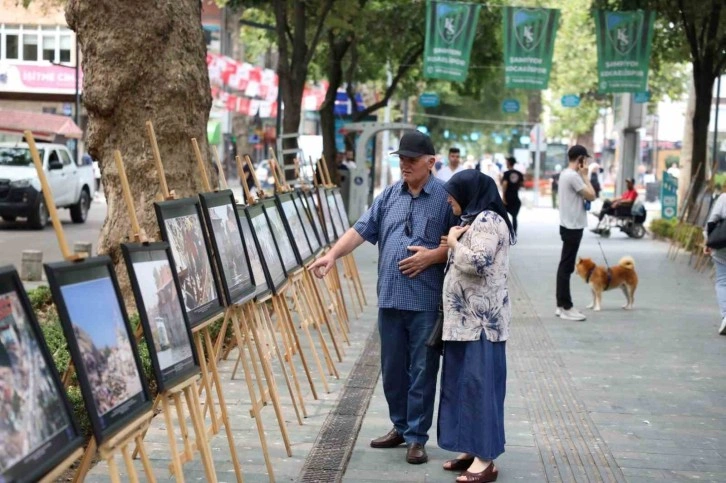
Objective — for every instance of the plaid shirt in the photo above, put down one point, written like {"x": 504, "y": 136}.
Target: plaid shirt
{"x": 385, "y": 223}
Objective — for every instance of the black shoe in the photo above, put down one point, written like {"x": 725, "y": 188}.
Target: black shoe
{"x": 390, "y": 440}
{"x": 416, "y": 454}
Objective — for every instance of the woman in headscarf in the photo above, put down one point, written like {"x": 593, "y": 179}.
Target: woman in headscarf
{"x": 477, "y": 313}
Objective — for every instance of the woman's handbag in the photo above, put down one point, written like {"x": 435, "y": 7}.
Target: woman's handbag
{"x": 717, "y": 237}
{"x": 435, "y": 340}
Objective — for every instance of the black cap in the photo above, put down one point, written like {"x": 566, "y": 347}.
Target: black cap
{"x": 414, "y": 144}
{"x": 629, "y": 180}
{"x": 576, "y": 151}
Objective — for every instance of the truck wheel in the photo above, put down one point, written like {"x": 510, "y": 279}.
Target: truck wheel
{"x": 10, "y": 219}
{"x": 79, "y": 211}
{"x": 39, "y": 218}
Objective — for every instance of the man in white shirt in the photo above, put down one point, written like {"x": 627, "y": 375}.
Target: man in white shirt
{"x": 574, "y": 189}
{"x": 454, "y": 166}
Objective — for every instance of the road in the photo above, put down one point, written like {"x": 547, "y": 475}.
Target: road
{"x": 16, "y": 237}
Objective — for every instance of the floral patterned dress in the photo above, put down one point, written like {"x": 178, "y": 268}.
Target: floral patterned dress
{"x": 475, "y": 295}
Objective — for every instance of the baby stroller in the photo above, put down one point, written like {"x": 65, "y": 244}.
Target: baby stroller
{"x": 629, "y": 221}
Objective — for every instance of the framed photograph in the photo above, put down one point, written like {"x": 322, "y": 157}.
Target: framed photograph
{"x": 225, "y": 235}
{"x": 157, "y": 293}
{"x": 253, "y": 253}
{"x": 284, "y": 245}
{"x": 180, "y": 222}
{"x": 102, "y": 346}
{"x": 334, "y": 213}
{"x": 37, "y": 427}
{"x": 295, "y": 230}
{"x": 321, "y": 203}
{"x": 341, "y": 208}
{"x": 267, "y": 246}
{"x": 299, "y": 204}
{"x": 311, "y": 204}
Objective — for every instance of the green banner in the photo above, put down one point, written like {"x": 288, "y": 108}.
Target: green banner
{"x": 450, "y": 30}
{"x": 623, "y": 50}
{"x": 529, "y": 40}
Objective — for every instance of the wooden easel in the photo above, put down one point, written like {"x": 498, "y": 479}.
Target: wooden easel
{"x": 188, "y": 388}
{"x": 203, "y": 343}
{"x": 350, "y": 268}
{"x": 246, "y": 333}
{"x": 132, "y": 432}
{"x": 301, "y": 300}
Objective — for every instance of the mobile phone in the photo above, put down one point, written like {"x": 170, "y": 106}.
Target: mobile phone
{"x": 582, "y": 161}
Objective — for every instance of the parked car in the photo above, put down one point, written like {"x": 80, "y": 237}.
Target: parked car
{"x": 20, "y": 191}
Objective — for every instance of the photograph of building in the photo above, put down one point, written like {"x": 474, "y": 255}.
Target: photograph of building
{"x": 229, "y": 244}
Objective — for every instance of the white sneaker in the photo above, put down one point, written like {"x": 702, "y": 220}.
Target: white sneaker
{"x": 572, "y": 314}
{"x": 722, "y": 329}
{"x": 558, "y": 311}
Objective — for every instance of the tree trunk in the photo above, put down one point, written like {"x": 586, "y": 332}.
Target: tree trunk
{"x": 142, "y": 61}
{"x": 534, "y": 106}
{"x": 684, "y": 179}
{"x": 701, "y": 116}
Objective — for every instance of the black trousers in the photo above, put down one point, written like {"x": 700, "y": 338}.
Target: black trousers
{"x": 570, "y": 244}
{"x": 513, "y": 207}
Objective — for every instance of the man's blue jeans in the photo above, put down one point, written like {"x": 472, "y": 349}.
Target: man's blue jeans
{"x": 409, "y": 370}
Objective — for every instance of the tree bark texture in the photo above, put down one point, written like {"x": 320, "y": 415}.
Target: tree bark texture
{"x": 701, "y": 117}
{"x": 143, "y": 60}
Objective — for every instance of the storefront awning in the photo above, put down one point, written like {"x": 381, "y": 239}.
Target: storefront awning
{"x": 214, "y": 131}
{"x": 43, "y": 126}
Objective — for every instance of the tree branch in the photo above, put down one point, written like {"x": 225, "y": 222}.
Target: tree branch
{"x": 403, "y": 68}
{"x": 282, "y": 27}
{"x": 690, "y": 31}
{"x": 318, "y": 30}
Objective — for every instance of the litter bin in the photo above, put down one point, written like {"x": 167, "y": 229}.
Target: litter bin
{"x": 652, "y": 191}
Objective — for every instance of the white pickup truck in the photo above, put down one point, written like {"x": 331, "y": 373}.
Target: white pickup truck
{"x": 73, "y": 185}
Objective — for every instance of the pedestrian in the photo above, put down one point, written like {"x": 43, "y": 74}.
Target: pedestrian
{"x": 595, "y": 170}
{"x": 512, "y": 181}
{"x": 718, "y": 214}
{"x": 554, "y": 185}
{"x": 407, "y": 221}
{"x": 454, "y": 166}
{"x": 574, "y": 190}
{"x": 477, "y": 314}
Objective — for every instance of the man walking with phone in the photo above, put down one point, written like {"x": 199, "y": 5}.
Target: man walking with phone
{"x": 574, "y": 190}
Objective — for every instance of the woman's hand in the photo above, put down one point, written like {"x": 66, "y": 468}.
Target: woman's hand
{"x": 706, "y": 250}
{"x": 454, "y": 235}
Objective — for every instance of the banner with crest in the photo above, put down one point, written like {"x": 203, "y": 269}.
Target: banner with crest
{"x": 529, "y": 40}
{"x": 623, "y": 50}
{"x": 450, "y": 30}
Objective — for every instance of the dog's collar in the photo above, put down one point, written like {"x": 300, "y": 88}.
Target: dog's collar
{"x": 589, "y": 274}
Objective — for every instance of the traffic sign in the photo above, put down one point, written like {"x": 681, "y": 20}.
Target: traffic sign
{"x": 641, "y": 97}
{"x": 428, "y": 99}
{"x": 510, "y": 106}
{"x": 570, "y": 100}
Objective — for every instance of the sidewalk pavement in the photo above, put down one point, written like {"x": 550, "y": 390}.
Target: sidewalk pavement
{"x": 635, "y": 396}
{"x": 625, "y": 396}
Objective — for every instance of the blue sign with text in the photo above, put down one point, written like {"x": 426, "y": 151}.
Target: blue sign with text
{"x": 428, "y": 99}
{"x": 510, "y": 106}
{"x": 570, "y": 100}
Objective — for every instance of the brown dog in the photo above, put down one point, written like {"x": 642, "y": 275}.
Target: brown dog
{"x": 601, "y": 279}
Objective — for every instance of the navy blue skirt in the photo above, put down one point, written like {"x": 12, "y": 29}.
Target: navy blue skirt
{"x": 471, "y": 407}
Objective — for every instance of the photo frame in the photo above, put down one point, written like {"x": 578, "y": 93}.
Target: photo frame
{"x": 282, "y": 239}
{"x": 42, "y": 432}
{"x": 312, "y": 209}
{"x": 102, "y": 346}
{"x": 253, "y": 254}
{"x": 313, "y": 240}
{"x": 267, "y": 246}
{"x": 334, "y": 213}
{"x": 321, "y": 203}
{"x": 225, "y": 235}
{"x": 341, "y": 208}
{"x": 180, "y": 223}
{"x": 158, "y": 297}
{"x": 294, "y": 227}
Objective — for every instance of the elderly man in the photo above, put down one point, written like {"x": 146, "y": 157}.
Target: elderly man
{"x": 407, "y": 221}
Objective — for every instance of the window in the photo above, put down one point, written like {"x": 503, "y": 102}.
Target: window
{"x": 30, "y": 46}
{"x": 66, "y": 41}
{"x": 49, "y": 44}
{"x": 65, "y": 157}
{"x": 11, "y": 47}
